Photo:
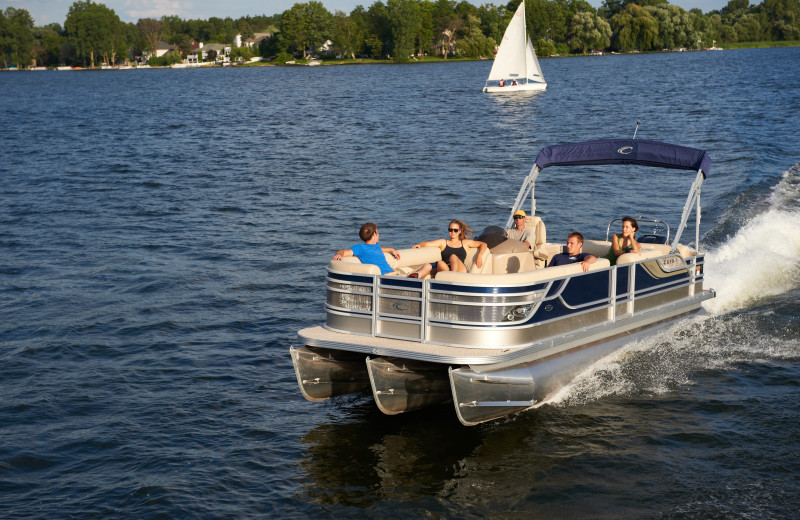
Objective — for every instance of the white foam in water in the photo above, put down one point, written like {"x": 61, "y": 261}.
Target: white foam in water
{"x": 606, "y": 377}
{"x": 763, "y": 258}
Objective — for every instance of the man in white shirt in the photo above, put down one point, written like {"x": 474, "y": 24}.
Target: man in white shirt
{"x": 519, "y": 231}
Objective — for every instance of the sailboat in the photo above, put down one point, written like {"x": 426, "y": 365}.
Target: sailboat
{"x": 515, "y": 67}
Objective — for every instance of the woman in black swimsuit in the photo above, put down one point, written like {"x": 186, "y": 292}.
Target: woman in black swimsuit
{"x": 454, "y": 252}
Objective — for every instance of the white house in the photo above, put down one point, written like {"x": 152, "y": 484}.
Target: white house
{"x": 201, "y": 53}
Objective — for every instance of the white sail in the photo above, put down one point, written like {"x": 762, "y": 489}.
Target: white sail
{"x": 515, "y": 60}
{"x": 534, "y": 71}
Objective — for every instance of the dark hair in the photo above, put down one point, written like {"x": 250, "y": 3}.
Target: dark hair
{"x": 577, "y": 235}
{"x": 367, "y": 230}
{"x": 632, "y": 221}
{"x": 465, "y": 229}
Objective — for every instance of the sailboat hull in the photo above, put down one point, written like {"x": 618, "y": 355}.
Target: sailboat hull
{"x": 515, "y": 88}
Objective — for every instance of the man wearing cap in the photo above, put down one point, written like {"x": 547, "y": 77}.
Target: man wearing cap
{"x": 519, "y": 231}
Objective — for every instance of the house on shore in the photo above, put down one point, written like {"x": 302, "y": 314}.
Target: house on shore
{"x": 203, "y": 53}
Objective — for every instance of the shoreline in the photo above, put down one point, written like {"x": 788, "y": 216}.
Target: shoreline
{"x": 425, "y": 60}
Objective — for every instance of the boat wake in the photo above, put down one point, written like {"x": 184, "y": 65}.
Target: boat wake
{"x": 762, "y": 259}
{"x": 670, "y": 360}
{"x": 756, "y": 274}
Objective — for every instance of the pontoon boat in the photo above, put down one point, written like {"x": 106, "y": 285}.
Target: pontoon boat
{"x": 504, "y": 338}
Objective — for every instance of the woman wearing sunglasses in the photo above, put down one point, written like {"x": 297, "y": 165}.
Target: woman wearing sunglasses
{"x": 454, "y": 251}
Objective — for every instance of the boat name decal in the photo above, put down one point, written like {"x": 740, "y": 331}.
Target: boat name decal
{"x": 625, "y": 150}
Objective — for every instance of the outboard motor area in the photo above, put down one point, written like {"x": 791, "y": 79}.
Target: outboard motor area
{"x": 493, "y": 236}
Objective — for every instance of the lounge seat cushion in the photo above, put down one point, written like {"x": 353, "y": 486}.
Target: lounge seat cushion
{"x": 518, "y": 278}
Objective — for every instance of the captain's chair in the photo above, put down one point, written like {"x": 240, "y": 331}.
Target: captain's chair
{"x": 540, "y": 238}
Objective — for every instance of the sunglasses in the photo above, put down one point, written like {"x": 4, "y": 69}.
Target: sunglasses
{"x": 518, "y": 217}
{"x": 451, "y": 230}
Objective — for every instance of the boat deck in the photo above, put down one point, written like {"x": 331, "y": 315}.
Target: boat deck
{"x": 321, "y": 337}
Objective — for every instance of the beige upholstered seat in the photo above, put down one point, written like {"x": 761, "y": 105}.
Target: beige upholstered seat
{"x": 540, "y": 239}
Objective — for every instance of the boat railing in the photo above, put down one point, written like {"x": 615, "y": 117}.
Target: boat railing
{"x": 464, "y": 311}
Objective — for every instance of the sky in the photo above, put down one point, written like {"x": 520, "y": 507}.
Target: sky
{"x": 46, "y": 12}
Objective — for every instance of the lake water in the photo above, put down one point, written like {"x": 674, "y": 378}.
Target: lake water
{"x": 164, "y": 234}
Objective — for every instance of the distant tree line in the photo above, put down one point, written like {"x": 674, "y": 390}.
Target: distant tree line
{"x": 401, "y": 30}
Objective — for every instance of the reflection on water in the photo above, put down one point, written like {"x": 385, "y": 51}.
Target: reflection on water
{"x": 517, "y": 108}
{"x": 377, "y": 458}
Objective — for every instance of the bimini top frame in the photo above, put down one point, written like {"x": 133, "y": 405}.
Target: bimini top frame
{"x": 623, "y": 151}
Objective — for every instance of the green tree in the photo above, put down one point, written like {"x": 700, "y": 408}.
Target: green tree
{"x": 16, "y": 37}
{"x": 547, "y": 20}
{"x": 272, "y": 46}
{"x": 379, "y": 37}
{"x": 634, "y": 28}
{"x": 91, "y": 27}
{"x": 404, "y": 20}
{"x": 294, "y": 29}
{"x": 183, "y": 41}
{"x": 493, "y": 21}
{"x": 347, "y": 36}
{"x": 119, "y": 41}
{"x": 425, "y": 29}
{"x": 174, "y": 25}
{"x": 474, "y": 43}
{"x": 748, "y": 29}
{"x": 241, "y": 54}
{"x": 47, "y": 41}
{"x": 221, "y": 30}
{"x": 782, "y": 18}
{"x": 319, "y": 24}
{"x": 588, "y": 31}
{"x": 675, "y": 27}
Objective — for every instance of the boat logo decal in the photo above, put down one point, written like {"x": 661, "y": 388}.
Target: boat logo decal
{"x": 671, "y": 264}
{"x": 548, "y": 307}
{"x": 401, "y": 306}
{"x": 625, "y": 150}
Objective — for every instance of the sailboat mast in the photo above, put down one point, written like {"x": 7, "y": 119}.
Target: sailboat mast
{"x": 525, "y": 39}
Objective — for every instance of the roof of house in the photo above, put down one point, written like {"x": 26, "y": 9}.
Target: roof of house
{"x": 257, "y": 37}
{"x": 166, "y": 46}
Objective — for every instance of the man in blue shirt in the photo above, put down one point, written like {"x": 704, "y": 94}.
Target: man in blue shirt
{"x": 574, "y": 246}
{"x": 370, "y": 252}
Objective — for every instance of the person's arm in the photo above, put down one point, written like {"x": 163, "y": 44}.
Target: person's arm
{"x": 392, "y": 251}
{"x": 634, "y": 245}
{"x": 481, "y": 248}
{"x": 430, "y": 243}
{"x": 615, "y": 245}
{"x": 342, "y": 253}
{"x": 587, "y": 261}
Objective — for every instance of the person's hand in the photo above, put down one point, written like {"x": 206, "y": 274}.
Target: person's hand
{"x": 337, "y": 256}
{"x": 395, "y": 254}
{"x": 585, "y": 265}
{"x": 415, "y": 246}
